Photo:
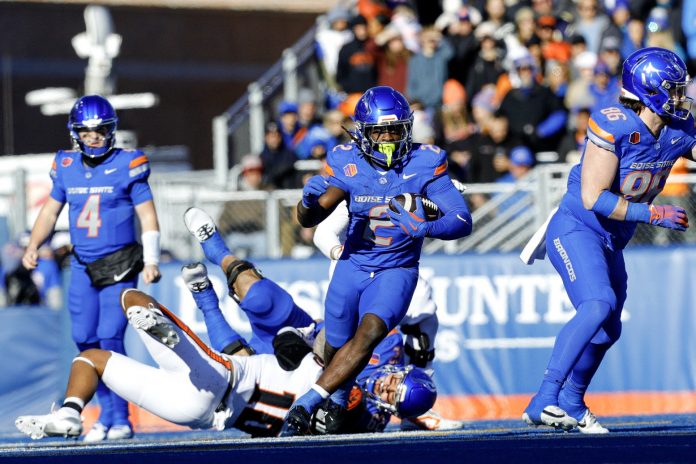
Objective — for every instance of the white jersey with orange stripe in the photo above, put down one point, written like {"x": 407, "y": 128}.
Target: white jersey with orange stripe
{"x": 263, "y": 392}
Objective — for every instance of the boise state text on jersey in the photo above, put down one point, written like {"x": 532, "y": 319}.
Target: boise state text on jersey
{"x": 373, "y": 242}
{"x": 101, "y": 199}
{"x": 645, "y": 162}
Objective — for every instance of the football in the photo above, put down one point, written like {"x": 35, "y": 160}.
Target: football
{"x": 408, "y": 201}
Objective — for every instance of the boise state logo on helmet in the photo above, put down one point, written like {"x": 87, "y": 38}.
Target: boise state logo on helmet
{"x": 657, "y": 78}
{"x": 93, "y": 113}
{"x": 383, "y": 110}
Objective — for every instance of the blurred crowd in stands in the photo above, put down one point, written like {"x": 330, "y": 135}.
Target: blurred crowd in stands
{"x": 487, "y": 76}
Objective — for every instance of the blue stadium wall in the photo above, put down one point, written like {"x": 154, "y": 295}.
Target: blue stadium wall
{"x": 498, "y": 319}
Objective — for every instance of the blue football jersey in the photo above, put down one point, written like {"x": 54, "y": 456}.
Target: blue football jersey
{"x": 644, "y": 164}
{"x": 101, "y": 200}
{"x": 372, "y": 241}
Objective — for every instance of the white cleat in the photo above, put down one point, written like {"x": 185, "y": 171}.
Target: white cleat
{"x": 152, "y": 321}
{"x": 96, "y": 434}
{"x": 54, "y": 424}
{"x": 590, "y": 425}
{"x": 431, "y": 420}
{"x": 552, "y": 416}
{"x": 195, "y": 277}
{"x": 199, "y": 223}
{"x": 119, "y": 432}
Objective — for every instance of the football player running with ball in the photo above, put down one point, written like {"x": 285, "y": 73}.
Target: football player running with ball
{"x": 631, "y": 149}
{"x": 377, "y": 271}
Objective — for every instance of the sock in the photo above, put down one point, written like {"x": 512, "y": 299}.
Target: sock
{"x": 312, "y": 398}
{"x": 572, "y": 397}
{"x": 103, "y": 394}
{"x": 571, "y": 341}
{"x": 342, "y": 395}
{"x": 119, "y": 406}
{"x": 72, "y": 407}
{"x": 219, "y": 331}
{"x": 215, "y": 249}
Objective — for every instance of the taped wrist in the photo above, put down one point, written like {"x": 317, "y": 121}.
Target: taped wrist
{"x": 638, "y": 212}
{"x": 238, "y": 345}
{"x": 151, "y": 246}
{"x": 233, "y": 270}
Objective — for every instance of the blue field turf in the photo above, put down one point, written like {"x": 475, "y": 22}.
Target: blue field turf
{"x": 633, "y": 440}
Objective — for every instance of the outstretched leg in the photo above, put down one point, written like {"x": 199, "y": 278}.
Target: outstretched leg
{"x": 86, "y": 370}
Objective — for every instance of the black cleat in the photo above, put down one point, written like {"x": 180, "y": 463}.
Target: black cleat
{"x": 329, "y": 418}
{"x": 296, "y": 422}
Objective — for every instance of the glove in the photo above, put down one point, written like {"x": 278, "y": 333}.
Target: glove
{"x": 414, "y": 224}
{"x": 669, "y": 217}
{"x": 315, "y": 187}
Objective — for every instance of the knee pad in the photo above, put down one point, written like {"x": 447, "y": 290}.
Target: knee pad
{"x": 596, "y": 310}
{"x": 232, "y": 272}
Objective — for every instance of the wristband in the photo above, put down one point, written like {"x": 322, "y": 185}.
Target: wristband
{"x": 151, "y": 246}
{"x": 638, "y": 212}
{"x": 606, "y": 203}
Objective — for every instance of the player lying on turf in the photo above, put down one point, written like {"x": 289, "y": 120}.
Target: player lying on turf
{"x": 195, "y": 385}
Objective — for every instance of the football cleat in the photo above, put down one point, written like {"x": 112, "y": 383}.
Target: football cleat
{"x": 195, "y": 277}
{"x": 119, "y": 432}
{"x": 296, "y": 422}
{"x": 55, "y": 424}
{"x": 96, "y": 434}
{"x": 552, "y": 416}
{"x": 329, "y": 418}
{"x": 590, "y": 425}
{"x": 152, "y": 321}
{"x": 199, "y": 223}
{"x": 431, "y": 420}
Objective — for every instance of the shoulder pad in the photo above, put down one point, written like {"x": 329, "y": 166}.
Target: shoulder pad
{"x": 432, "y": 157}
{"x": 608, "y": 125}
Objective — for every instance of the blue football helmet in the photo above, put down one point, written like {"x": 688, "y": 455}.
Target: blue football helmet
{"x": 415, "y": 393}
{"x": 383, "y": 109}
{"x": 657, "y": 78}
{"x": 93, "y": 113}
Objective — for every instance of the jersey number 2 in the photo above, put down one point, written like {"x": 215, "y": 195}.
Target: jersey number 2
{"x": 89, "y": 216}
{"x": 378, "y": 218}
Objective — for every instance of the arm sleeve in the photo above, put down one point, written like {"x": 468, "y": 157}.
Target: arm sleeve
{"x": 331, "y": 232}
{"x": 456, "y": 222}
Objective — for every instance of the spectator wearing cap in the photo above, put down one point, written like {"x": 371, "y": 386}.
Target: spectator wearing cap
{"x": 289, "y": 124}
{"x": 391, "y": 58}
{"x": 461, "y": 35}
{"x": 592, "y": 24}
{"x": 241, "y": 222}
{"x": 520, "y": 161}
{"x": 491, "y": 142}
{"x": 578, "y": 93}
{"x": 356, "y": 71}
{"x": 577, "y": 46}
{"x": 604, "y": 89}
{"x": 307, "y": 108}
{"x": 488, "y": 65}
{"x": 330, "y": 40}
{"x": 552, "y": 47}
{"x": 427, "y": 70}
{"x": 610, "y": 55}
{"x": 658, "y": 31}
{"x": 540, "y": 126}
{"x": 459, "y": 156}
{"x": 279, "y": 162}
{"x": 453, "y": 122}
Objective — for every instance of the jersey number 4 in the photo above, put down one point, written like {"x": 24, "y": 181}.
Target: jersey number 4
{"x": 89, "y": 216}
